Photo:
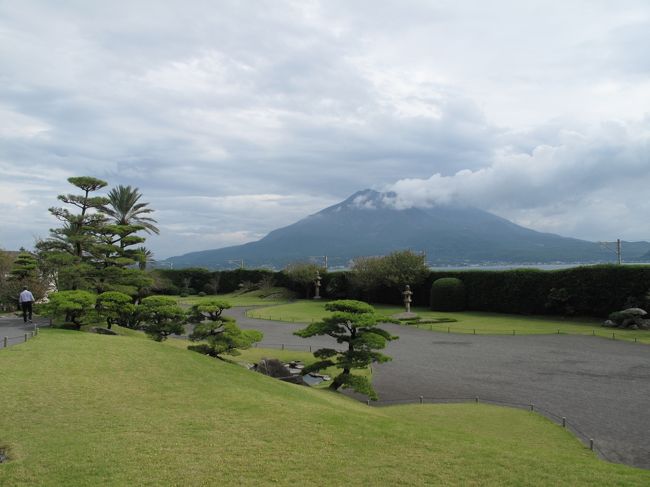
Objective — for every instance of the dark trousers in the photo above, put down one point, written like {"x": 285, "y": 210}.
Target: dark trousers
{"x": 27, "y": 310}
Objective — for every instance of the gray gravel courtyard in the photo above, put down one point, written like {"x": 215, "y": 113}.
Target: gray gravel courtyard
{"x": 601, "y": 386}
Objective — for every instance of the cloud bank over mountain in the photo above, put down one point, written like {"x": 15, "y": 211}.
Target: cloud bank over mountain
{"x": 237, "y": 118}
{"x": 585, "y": 181}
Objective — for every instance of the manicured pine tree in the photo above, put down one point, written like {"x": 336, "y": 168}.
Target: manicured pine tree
{"x": 354, "y": 323}
{"x": 220, "y": 333}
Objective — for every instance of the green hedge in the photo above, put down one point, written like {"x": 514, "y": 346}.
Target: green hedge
{"x": 448, "y": 294}
{"x": 229, "y": 281}
{"x": 585, "y": 291}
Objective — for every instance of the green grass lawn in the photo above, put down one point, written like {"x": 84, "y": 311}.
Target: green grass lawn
{"x": 258, "y": 297}
{"x": 305, "y": 311}
{"x": 254, "y": 355}
{"x": 82, "y": 409}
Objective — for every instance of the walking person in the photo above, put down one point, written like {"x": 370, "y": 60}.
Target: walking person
{"x": 26, "y": 299}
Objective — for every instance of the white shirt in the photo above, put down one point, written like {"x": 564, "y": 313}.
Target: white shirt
{"x": 26, "y": 297}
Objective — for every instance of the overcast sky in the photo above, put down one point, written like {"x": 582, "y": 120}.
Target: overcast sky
{"x": 235, "y": 118}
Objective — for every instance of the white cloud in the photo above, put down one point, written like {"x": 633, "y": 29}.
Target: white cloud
{"x": 588, "y": 184}
{"x": 208, "y": 107}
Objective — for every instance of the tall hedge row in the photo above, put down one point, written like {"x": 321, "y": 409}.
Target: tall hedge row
{"x": 582, "y": 291}
{"x": 586, "y": 291}
{"x": 448, "y": 294}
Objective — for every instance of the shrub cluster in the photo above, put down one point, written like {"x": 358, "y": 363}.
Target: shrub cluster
{"x": 448, "y": 294}
{"x": 195, "y": 280}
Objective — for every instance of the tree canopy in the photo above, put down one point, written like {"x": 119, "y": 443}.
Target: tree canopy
{"x": 394, "y": 270}
{"x": 354, "y": 323}
{"x": 94, "y": 247}
{"x": 304, "y": 274}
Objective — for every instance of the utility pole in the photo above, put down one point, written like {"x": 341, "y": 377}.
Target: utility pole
{"x": 237, "y": 261}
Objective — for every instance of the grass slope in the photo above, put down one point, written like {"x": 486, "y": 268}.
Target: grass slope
{"x": 254, "y": 355}
{"x": 305, "y": 311}
{"x": 276, "y": 295}
{"x": 82, "y": 409}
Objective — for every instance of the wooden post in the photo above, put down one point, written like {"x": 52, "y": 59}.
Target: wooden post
{"x": 6, "y": 341}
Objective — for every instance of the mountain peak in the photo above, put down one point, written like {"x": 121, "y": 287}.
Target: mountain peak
{"x": 369, "y": 222}
{"x": 366, "y": 199}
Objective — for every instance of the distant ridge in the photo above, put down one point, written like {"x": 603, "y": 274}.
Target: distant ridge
{"x": 367, "y": 223}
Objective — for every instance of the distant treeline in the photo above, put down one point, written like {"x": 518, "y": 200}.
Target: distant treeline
{"x": 584, "y": 291}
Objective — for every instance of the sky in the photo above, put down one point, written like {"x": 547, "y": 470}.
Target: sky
{"x": 235, "y": 118}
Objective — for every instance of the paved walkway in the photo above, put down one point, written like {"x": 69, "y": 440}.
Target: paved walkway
{"x": 601, "y": 386}
{"x": 14, "y": 329}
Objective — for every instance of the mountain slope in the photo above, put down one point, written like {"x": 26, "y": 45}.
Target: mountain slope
{"x": 367, "y": 223}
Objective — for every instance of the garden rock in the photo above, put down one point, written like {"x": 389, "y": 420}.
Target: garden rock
{"x": 631, "y": 318}
{"x": 103, "y": 331}
{"x": 273, "y": 367}
{"x": 634, "y": 312}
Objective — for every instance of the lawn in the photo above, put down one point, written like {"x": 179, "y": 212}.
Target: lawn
{"x": 258, "y": 297}
{"x": 254, "y": 355}
{"x": 83, "y": 409}
{"x": 305, "y": 311}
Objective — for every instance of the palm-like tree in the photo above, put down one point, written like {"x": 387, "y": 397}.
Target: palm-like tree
{"x": 144, "y": 257}
{"x": 124, "y": 209}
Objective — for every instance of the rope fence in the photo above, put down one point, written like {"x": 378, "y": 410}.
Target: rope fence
{"x": 7, "y": 341}
{"x": 563, "y": 421}
{"x": 292, "y": 346}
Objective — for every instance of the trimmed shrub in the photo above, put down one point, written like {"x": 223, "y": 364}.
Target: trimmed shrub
{"x": 448, "y": 294}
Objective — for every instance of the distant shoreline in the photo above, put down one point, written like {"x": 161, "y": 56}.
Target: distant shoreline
{"x": 543, "y": 267}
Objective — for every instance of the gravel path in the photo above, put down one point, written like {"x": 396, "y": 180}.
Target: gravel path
{"x": 601, "y": 386}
